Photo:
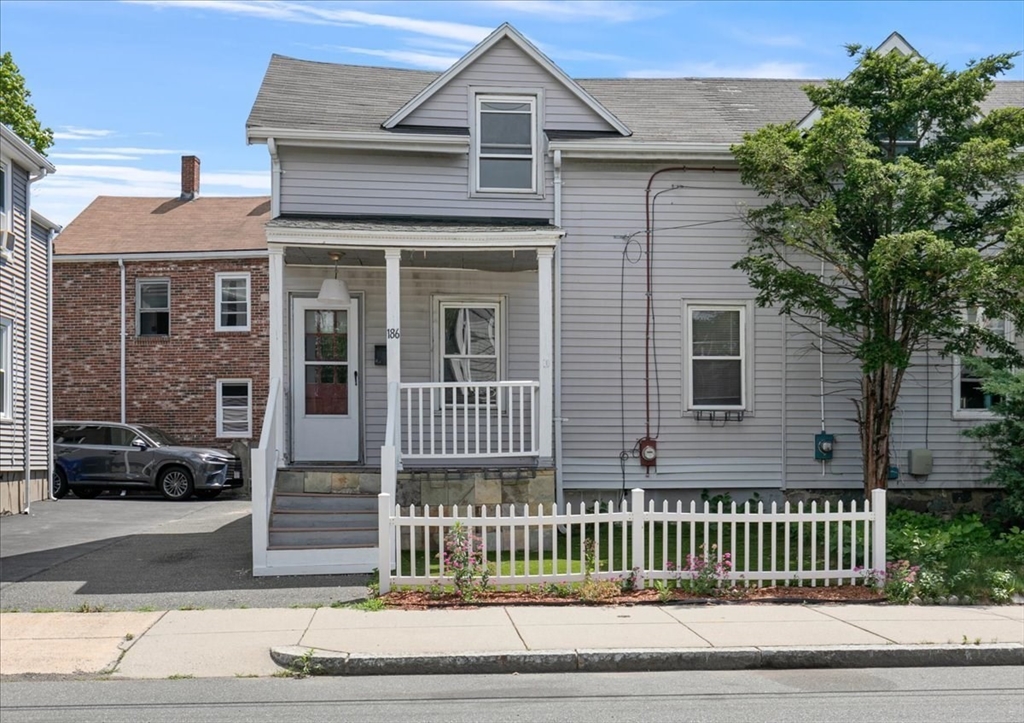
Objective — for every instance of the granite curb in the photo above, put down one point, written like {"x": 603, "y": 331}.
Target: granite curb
{"x": 313, "y": 661}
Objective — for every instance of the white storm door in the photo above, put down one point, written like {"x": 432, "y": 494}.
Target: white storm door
{"x": 325, "y": 382}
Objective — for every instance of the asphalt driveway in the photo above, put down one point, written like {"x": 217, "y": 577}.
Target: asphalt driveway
{"x": 141, "y": 551}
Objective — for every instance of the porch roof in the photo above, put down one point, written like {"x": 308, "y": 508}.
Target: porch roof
{"x": 421, "y": 233}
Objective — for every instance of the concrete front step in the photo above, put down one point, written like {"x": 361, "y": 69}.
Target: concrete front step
{"x": 301, "y": 519}
{"x": 308, "y": 502}
{"x": 322, "y": 537}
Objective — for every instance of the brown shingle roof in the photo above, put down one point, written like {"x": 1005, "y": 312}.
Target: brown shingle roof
{"x": 126, "y": 225}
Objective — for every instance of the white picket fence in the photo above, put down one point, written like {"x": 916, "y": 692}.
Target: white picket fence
{"x": 764, "y": 545}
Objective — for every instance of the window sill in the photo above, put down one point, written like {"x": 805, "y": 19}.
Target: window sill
{"x": 508, "y": 193}
{"x": 233, "y": 330}
{"x": 234, "y": 436}
{"x": 973, "y": 414}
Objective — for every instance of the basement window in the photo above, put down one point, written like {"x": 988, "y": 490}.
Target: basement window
{"x": 716, "y": 356}
{"x": 506, "y": 144}
{"x": 153, "y": 307}
{"x": 234, "y": 408}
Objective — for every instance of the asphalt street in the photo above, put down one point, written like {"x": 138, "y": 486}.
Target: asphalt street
{"x": 141, "y": 551}
{"x": 960, "y": 695}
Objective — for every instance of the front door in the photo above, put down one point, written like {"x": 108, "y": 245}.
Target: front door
{"x": 325, "y": 382}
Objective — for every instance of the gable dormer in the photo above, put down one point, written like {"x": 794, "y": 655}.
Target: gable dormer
{"x": 509, "y": 97}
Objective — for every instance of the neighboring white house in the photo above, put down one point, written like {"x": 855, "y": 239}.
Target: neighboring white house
{"x": 25, "y": 402}
{"x": 459, "y": 282}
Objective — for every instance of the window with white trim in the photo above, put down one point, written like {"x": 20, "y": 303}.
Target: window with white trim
{"x": 470, "y": 342}
{"x": 6, "y": 201}
{"x": 153, "y": 307}
{"x": 506, "y": 144}
{"x": 716, "y": 356}
{"x": 234, "y": 407}
{"x": 233, "y": 301}
{"x": 6, "y": 359}
{"x": 969, "y": 399}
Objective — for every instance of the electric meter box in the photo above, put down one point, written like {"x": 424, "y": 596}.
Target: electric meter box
{"x": 919, "y": 462}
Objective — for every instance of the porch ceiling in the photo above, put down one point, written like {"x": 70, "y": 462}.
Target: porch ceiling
{"x": 483, "y": 260}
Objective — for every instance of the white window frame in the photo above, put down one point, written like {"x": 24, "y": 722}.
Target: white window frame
{"x": 7, "y": 364}
{"x": 441, "y": 303}
{"x": 7, "y": 239}
{"x": 746, "y": 354}
{"x": 488, "y": 97}
{"x": 221, "y": 433}
{"x": 138, "y": 305}
{"x": 219, "y": 299}
{"x": 959, "y": 412}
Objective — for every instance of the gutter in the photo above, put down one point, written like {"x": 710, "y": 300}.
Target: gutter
{"x": 644, "y": 150}
{"x": 361, "y": 140}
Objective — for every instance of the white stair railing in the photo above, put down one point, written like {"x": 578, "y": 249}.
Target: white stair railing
{"x": 263, "y": 470}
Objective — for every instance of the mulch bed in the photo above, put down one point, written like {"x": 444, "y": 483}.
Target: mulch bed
{"x": 422, "y": 599}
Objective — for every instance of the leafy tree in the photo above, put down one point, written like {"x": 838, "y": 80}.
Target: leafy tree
{"x": 15, "y": 110}
{"x": 1004, "y": 436}
{"x": 897, "y": 209}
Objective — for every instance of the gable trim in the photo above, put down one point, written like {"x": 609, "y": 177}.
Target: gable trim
{"x": 506, "y": 31}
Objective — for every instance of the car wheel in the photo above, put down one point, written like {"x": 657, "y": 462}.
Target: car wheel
{"x": 208, "y": 494}
{"x": 59, "y": 484}
{"x": 87, "y": 493}
{"x": 175, "y": 484}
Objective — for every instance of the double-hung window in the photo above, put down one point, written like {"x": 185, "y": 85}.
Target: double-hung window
{"x": 234, "y": 408}
{"x": 233, "y": 301}
{"x": 153, "y": 307}
{"x": 6, "y": 405}
{"x": 471, "y": 343}
{"x": 716, "y": 356}
{"x": 506, "y": 144}
{"x": 969, "y": 397}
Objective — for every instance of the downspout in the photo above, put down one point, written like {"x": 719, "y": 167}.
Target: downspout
{"x": 120, "y": 265}
{"x": 559, "y": 489}
{"x": 28, "y": 342}
{"x": 275, "y": 179}
{"x": 49, "y": 361}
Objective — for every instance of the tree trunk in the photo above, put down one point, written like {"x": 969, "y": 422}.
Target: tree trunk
{"x": 878, "y": 394}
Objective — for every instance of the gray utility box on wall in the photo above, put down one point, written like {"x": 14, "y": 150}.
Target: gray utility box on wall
{"x": 919, "y": 461}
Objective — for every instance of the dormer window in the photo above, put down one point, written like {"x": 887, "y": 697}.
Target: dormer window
{"x": 506, "y": 144}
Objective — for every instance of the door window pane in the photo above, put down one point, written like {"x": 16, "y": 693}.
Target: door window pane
{"x": 326, "y": 389}
{"x": 326, "y": 335}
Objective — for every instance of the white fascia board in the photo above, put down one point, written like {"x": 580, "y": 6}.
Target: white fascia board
{"x": 17, "y": 149}
{"x": 413, "y": 240}
{"x": 364, "y": 141}
{"x": 639, "y": 150}
{"x": 160, "y": 256}
{"x": 502, "y": 32}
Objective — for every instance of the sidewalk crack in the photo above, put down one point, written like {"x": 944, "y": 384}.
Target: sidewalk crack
{"x": 858, "y": 627}
{"x": 514, "y": 627}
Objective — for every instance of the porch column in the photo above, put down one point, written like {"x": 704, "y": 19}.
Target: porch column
{"x": 546, "y": 349}
{"x": 276, "y": 330}
{"x": 393, "y": 333}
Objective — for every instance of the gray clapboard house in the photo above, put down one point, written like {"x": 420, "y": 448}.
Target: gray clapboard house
{"x": 460, "y": 271}
{"x": 25, "y": 402}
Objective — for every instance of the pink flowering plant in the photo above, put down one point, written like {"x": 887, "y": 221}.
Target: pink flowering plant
{"x": 464, "y": 561}
{"x": 704, "y": 573}
{"x": 898, "y": 580}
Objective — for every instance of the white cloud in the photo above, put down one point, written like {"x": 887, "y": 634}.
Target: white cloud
{"x": 73, "y": 133}
{"x": 61, "y": 197}
{"x": 94, "y": 156}
{"x": 769, "y": 69}
{"x": 445, "y": 45}
{"x": 607, "y": 10}
{"x": 428, "y": 61}
{"x": 324, "y": 14}
{"x": 584, "y": 55}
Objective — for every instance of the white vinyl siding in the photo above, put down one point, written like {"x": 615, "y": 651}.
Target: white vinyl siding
{"x": 6, "y": 405}
{"x": 233, "y": 301}
{"x": 505, "y": 144}
{"x": 234, "y": 407}
{"x": 716, "y": 357}
{"x": 153, "y": 307}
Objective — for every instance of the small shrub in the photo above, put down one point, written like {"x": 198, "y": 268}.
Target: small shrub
{"x": 464, "y": 561}
{"x": 704, "y": 573}
{"x": 596, "y": 591}
{"x": 897, "y": 580}
{"x": 629, "y": 583}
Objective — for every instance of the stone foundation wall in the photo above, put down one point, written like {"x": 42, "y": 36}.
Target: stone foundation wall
{"x": 505, "y": 487}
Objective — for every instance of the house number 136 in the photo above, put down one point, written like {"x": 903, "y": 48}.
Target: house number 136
{"x": 394, "y": 334}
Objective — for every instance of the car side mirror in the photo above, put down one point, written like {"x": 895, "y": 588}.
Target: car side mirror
{"x": 139, "y": 443}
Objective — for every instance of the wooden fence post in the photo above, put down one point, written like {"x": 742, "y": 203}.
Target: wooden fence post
{"x": 636, "y": 511}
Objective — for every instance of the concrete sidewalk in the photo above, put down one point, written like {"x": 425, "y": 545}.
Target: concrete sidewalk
{"x": 217, "y": 643}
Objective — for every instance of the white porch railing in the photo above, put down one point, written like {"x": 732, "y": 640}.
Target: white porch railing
{"x": 263, "y": 468}
{"x": 469, "y": 419}
{"x": 784, "y": 546}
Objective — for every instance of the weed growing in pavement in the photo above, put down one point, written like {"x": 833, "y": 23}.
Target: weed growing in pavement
{"x": 87, "y": 608}
{"x": 129, "y": 636}
{"x": 371, "y": 605}
{"x": 303, "y": 666}
{"x": 45, "y": 610}
{"x": 145, "y": 609}
{"x": 191, "y": 607}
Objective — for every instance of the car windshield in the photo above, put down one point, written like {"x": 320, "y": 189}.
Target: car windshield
{"x": 159, "y": 436}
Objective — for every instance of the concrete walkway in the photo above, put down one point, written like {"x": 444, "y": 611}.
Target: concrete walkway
{"x": 217, "y": 643}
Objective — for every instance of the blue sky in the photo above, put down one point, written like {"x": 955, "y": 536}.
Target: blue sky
{"x": 130, "y": 86}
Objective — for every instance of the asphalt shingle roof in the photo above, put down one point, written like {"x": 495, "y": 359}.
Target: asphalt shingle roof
{"x": 310, "y": 95}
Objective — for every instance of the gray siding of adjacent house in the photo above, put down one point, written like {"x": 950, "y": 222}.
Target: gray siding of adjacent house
{"x": 330, "y": 182}
{"x": 418, "y": 288}
{"x": 14, "y": 307}
{"x": 505, "y": 66}
{"x": 774, "y": 445}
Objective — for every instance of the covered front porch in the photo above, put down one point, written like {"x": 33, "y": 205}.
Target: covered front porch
{"x": 431, "y": 371}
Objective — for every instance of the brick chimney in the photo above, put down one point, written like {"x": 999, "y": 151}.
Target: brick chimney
{"x": 189, "y": 177}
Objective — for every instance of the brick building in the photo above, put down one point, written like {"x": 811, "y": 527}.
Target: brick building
{"x": 160, "y": 314}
